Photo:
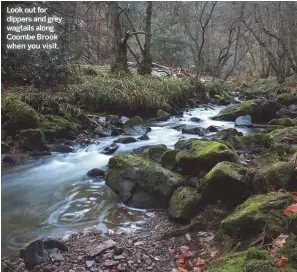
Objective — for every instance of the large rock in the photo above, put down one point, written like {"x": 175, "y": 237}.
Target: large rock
{"x": 284, "y": 122}
{"x": 17, "y": 115}
{"x": 155, "y": 152}
{"x": 103, "y": 131}
{"x": 130, "y": 174}
{"x": 260, "y": 110}
{"x": 162, "y": 115}
{"x": 244, "y": 121}
{"x": 168, "y": 159}
{"x": 225, "y": 182}
{"x": 183, "y": 205}
{"x": 56, "y": 127}
{"x": 284, "y": 140}
{"x": 197, "y": 155}
{"x": 134, "y": 126}
{"x": 110, "y": 149}
{"x": 125, "y": 140}
{"x": 287, "y": 98}
{"x": 280, "y": 175}
{"x": 96, "y": 172}
{"x": 193, "y": 130}
{"x": 60, "y": 148}
{"x": 32, "y": 140}
{"x": 259, "y": 212}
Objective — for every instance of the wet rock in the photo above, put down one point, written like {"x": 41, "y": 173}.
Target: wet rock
{"x": 32, "y": 140}
{"x": 197, "y": 155}
{"x": 110, "y": 149}
{"x": 9, "y": 159}
{"x": 183, "y": 204}
{"x": 162, "y": 115}
{"x": 155, "y": 152}
{"x": 124, "y": 119}
{"x": 113, "y": 120}
{"x": 134, "y": 126}
{"x": 116, "y": 131}
{"x": 212, "y": 129}
{"x": 17, "y": 115}
{"x": 69, "y": 143}
{"x": 61, "y": 148}
{"x": 225, "y": 182}
{"x": 39, "y": 153}
{"x": 244, "y": 121}
{"x": 126, "y": 140}
{"x": 193, "y": 130}
{"x": 96, "y": 172}
{"x": 103, "y": 131}
{"x": 257, "y": 213}
{"x": 195, "y": 119}
{"x": 143, "y": 137}
{"x": 129, "y": 174}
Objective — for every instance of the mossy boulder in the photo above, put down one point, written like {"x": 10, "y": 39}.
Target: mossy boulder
{"x": 183, "y": 205}
{"x": 280, "y": 175}
{"x": 130, "y": 174}
{"x": 197, "y": 155}
{"x": 56, "y": 127}
{"x": 284, "y": 140}
{"x": 155, "y": 152}
{"x": 162, "y": 115}
{"x": 257, "y": 213}
{"x": 17, "y": 115}
{"x": 225, "y": 182}
{"x": 287, "y": 98}
{"x": 270, "y": 128}
{"x": 126, "y": 140}
{"x": 261, "y": 110}
{"x": 284, "y": 122}
{"x": 168, "y": 159}
{"x": 247, "y": 143}
{"x": 134, "y": 126}
{"x": 251, "y": 260}
{"x": 32, "y": 140}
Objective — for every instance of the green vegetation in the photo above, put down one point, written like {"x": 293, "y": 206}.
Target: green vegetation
{"x": 32, "y": 140}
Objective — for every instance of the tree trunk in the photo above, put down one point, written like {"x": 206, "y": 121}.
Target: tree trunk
{"x": 145, "y": 66}
{"x": 120, "y": 64}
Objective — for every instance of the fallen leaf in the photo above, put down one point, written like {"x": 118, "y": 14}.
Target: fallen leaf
{"x": 180, "y": 269}
{"x": 289, "y": 211}
{"x": 277, "y": 244}
{"x": 281, "y": 261}
{"x": 181, "y": 263}
{"x": 188, "y": 236}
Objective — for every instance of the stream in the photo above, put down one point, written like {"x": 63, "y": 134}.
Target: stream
{"x": 53, "y": 196}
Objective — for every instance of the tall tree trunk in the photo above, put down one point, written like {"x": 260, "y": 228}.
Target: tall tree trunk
{"x": 145, "y": 66}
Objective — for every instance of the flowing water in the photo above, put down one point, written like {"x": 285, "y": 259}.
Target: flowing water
{"x": 53, "y": 196}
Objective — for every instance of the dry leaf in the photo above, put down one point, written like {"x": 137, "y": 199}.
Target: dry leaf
{"x": 281, "y": 261}
{"x": 289, "y": 211}
{"x": 277, "y": 244}
{"x": 181, "y": 263}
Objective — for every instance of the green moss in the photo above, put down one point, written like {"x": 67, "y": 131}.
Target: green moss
{"x": 147, "y": 174}
{"x": 283, "y": 136}
{"x": 289, "y": 250}
{"x": 168, "y": 159}
{"x": 249, "y": 142}
{"x": 271, "y": 128}
{"x": 225, "y": 182}
{"x": 287, "y": 98}
{"x": 197, "y": 155}
{"x": 57, "y": 127}
{"x": 134, "y": 121}
{"x": 17, "y": 115}
{"x": 32, "y": 140}
{"x": 125, "y": 140}
{"x": 155, "y": 153}
{"x": 183, "y": 204}
{"x": 257, "y": 212}
{"x": 228, "y": 114}
{"x": 284, "y": 122}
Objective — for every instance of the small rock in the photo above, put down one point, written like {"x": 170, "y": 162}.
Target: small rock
{"x": 110, "y": 263}
{"x": 9, "y": 159}
{"x": 244, "y": 121}
{"x": 195, "y": 119}
{"x": 143, "y": 137}
{"x": 118, "y": 257}
{"x": 90, "y": 263}
{"x": 96, "y": 172}
{"x": 61, "y": 148}
{"x": 110, "y": 149}
{"x": 212, "y": 129}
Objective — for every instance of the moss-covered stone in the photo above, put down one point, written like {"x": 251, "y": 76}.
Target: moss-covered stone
{"x": 183, "y": 205}
{"x": 32, "y": 140}
{"x": 284, "y": 122}
{"x": 126, "y": 140}
{"x": 286, "y": 137}
{"x": 162, "y": 115}
{"x": 261, "y": 110}
{"x": 136, "y": 120}
{"x": 251, "y": 260}
{"x": 17, "y": 115}
{"x": 247, "y": 143}
{"x": 225, "y": 182}
{"x": 57, "y": 127}
{"x": 128, "y": 173}
{"x": 259, "y": 212}
{"x": 134, "y": 126}
{"x": 280, "y": 175}
{"x": 155, "y": 153}
{"x": 287, "y": 98}
{"x": 270, "y": 128}
{"x": 197, "y": 155}
{"x": 168, "y": 159}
